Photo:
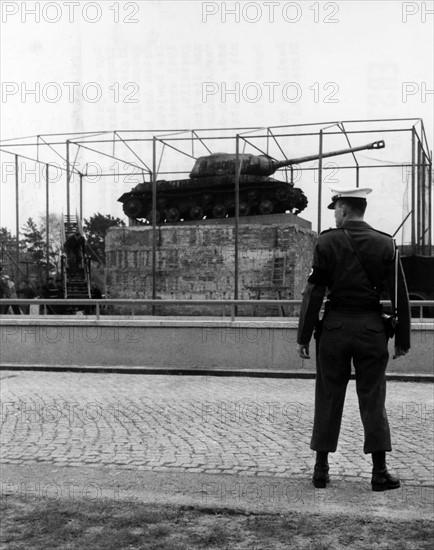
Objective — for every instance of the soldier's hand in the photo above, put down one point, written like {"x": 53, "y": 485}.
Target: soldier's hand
{"x": 399, "y": 352}
{"x": 303, "y": 351}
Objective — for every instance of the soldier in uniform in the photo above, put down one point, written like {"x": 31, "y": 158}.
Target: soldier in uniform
{"x": 5, "y": 291}
{"x": 354, "y": 263}
{"x": 75, "y": 248}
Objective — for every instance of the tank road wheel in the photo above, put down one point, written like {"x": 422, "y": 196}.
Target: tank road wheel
{"x": 133, "y": 207}
{"x": 149, "y": 216}
{"x": 244, "y": 208}
{"x": 253, "y": 196}
{"x": 206, "y": 202}
{"x": 196, "y": 213}
{"x": 172, "y": 215}
{"x": 266, "y": 207}
{"x": 162, "y": 202}
{"x": 230, "y": 207}
{"x": 283, "y": 194}
{"x": 219, "y": 211}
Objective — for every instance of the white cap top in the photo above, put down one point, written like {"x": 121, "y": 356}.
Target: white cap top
{"x": 348, "y": 193}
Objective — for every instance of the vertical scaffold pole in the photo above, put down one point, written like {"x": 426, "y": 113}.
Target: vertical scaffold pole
{"x": 47, "y": 218}
{"x": 419, "y": 191}
{"x": 237, "y": 213}
{"x": 413, "y": 192}
{"x": 154, "y": 220}
{"x": 425, "y": 223}
{"x": 320, "y": 179}
{"x": 68, "y": 178}
{"x": 17, "y": 214}
{"x": 430, "y": 218}
{"x": 81, "y": 196}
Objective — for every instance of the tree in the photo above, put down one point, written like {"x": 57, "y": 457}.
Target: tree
{"x": 34, "y": 247}
{"x": 20, "y": 267}
{"x": 8, "y": 246}
{"x": 34, "y": 242}
{"x": 7, "y": 241}
{"x": 54, "y": 239}
{"x": 95, "y": 229}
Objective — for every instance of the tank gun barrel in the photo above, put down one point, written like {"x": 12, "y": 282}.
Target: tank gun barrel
{"x": 220, "y": 164}
{"x": 275, "y": 165}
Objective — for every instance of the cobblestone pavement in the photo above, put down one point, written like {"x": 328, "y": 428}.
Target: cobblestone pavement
{"x": 210, "y": 425}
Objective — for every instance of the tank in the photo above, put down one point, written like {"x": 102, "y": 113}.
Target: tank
{"x": 210, "y": 190}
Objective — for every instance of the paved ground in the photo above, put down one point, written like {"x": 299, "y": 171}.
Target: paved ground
{"x": 224, "y": 429}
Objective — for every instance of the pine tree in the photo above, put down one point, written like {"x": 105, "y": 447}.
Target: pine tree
{"x": 95, "y": 229}
{"x": 35, "y": 248}
{"x": 34, "y": 242}
{"x": 8, "y": 246}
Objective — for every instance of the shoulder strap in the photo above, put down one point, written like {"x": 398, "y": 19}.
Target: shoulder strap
{"x": 368, "y": 274}
{"x": 356, "y": 252}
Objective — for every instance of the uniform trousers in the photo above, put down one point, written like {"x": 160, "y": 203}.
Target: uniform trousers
{"x": 360, "y": 338}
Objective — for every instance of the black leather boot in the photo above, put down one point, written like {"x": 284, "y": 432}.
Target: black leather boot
{"x": 381, "y": 479}
{"x": 321, "y": 476}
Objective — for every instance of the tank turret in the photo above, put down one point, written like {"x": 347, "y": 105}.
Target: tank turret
{"x": 209, "y": 192}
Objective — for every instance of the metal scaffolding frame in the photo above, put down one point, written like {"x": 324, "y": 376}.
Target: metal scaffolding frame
{"x": 143, "y": 152}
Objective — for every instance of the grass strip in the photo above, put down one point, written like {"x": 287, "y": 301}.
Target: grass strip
{"x": 30, "y": 523}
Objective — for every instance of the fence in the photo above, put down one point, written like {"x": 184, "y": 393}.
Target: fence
{"x": 102, "y": 307}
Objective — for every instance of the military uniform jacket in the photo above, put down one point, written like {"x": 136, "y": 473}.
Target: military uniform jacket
{"x": 337, "y": 269}
{"x": 4, "y": 288}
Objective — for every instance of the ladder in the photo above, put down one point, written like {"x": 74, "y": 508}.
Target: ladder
{"x": 278, "y": 273}
{"x": 76, "y": 285}
{"x": 70, "y": 225}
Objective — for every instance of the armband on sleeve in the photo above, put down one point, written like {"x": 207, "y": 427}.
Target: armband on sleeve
{"x": 310, "y": 307}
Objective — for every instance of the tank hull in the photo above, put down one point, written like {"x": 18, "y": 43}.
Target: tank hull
{"x": 212, "y": 197}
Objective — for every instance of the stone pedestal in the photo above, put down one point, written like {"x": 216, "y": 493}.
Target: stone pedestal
{"x": 196, "y": 261}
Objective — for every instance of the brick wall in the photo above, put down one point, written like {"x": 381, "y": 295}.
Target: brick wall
{"x": 197, "y": 262}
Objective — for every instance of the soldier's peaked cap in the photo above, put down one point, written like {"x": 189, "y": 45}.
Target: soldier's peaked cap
{"x": 348, "y": 193}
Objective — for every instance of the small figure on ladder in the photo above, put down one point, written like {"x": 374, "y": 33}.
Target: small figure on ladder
{"x": 75, "y": 248}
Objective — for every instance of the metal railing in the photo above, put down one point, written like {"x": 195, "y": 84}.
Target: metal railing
{"x": 104, "y": 304}
{"x": 86, "y": 265}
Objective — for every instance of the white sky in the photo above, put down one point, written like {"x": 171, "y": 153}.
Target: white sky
{"x": 361, "y": 59}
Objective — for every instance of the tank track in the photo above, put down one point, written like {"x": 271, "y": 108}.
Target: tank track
{"x": 180, "y": 200}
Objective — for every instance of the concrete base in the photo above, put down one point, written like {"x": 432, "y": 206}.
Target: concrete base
{"x": 268, "y": 219}
{"x": 197, "y": 262}
{"x": 262, "y": 345}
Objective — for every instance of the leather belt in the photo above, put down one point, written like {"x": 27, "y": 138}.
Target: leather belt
{"x": 355, "y": 308}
